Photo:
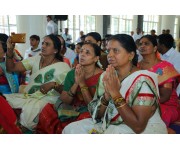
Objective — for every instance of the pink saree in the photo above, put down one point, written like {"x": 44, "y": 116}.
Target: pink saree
{"x": 170, "y": 110}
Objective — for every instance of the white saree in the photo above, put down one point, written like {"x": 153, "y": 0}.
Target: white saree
{"x": 32, "y": 101}
{"x": 135, "y": 89}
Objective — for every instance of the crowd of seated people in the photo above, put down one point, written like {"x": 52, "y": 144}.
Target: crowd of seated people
{"x": 91, "y": 88}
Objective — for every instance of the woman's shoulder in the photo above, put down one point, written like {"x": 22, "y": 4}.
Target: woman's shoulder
{"x": 166, "y": 63}
{"x": 62, "y": 64}
{"x": 144, "y": 74}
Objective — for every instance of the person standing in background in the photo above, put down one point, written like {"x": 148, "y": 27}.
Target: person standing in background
{"x": 137, "y": 35}
{"x": 52, "y": 27}
{"x": 81, "y": 33}
{"x": 153, "y": 33}
{"x": 67, "y": 37}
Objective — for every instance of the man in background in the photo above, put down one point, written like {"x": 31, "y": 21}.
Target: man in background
{"x": 67, "y": 37}
{"x": 81, "y": 33}
{"x": 137, "y": 35}
{"x": 52, "y": 27}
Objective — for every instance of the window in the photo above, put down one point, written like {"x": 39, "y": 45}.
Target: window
{"x": 8, "y": 24}
{"x": 121, "y": 24}
{"x": 176, "y": 28}
{"x": 150, "y": 22}
{"x": 77, "y": 23}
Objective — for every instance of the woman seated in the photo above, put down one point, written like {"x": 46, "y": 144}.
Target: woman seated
{"x": 7, "y": 118}
{"x": 127, "y": 98}
{"x": 167, "y": 79}
{"x": 46, "y": 80}
{"x": 9, "y": 82}
{"x": 79, "y": 88}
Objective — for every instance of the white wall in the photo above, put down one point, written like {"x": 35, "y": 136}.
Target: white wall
{"x": 99, "y": 24}
{"x": 30, "y": 24}
{"x": 167, "y": 22}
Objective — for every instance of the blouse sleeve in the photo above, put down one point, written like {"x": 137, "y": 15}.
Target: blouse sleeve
{"x": 146, "y": 96}
{"x": 28, "y": 63}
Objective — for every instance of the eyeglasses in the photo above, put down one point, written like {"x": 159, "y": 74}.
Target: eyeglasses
{"x": 46, "y": 43}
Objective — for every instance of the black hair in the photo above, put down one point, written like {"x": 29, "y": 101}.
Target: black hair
{"x": 151, "y": 38}
{"x": 127, "y": 42}
{"x": 153, "y": 30}
{"x": 57, "y": 45}
{"x": 64, "y": 43}
{"x": 95, "y": 35}
{"x": 83, "y": 37}
{"x": 107, "y": 36}
{"x": 3, "y": 40}
{"x": 166, "y": 39}
{"x": 80, "y": 43}
{"x": 1, "y": 94}
{"x": 97, "y": 50}
{"x": 49, "y": 16}
{"x": 36, "y": 37}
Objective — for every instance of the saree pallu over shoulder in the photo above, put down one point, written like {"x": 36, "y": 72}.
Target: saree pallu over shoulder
{"x": 165, "y": 71}
{"x": 168, "y": 74}
{"x": 33, "y": 101}
{"x": 78, "y": 105}
{"x": 54, "y": 119}
{"x": 140, "y": 88}
{"x": 55, "y": 72}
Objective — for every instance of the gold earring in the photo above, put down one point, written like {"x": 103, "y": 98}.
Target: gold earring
{"x": 130, "y": 59}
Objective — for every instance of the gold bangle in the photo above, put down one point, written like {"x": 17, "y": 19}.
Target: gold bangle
{"x": 84, "y": 88}
{"x": 121, "y": 105}
{"x": 118, "y": 101}
{"x": 116, "y": 97}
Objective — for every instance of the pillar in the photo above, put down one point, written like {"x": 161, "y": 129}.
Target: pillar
{"x": 167, "y": 22}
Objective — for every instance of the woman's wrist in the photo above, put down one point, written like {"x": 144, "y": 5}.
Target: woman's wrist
{"x": 104, "y": 101}
{"x": 107, "y": 96}
{"x": 119, "y": 102}
{"x": 115, "y": 95}
{"x": 9, "y": 57}
{"x": 10, "y": 52}
{"x": 55, "y": 85}
{"x": 70, "y": 93}
{"x": 82, "y": 85}
{"x": 75, "y": 84}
